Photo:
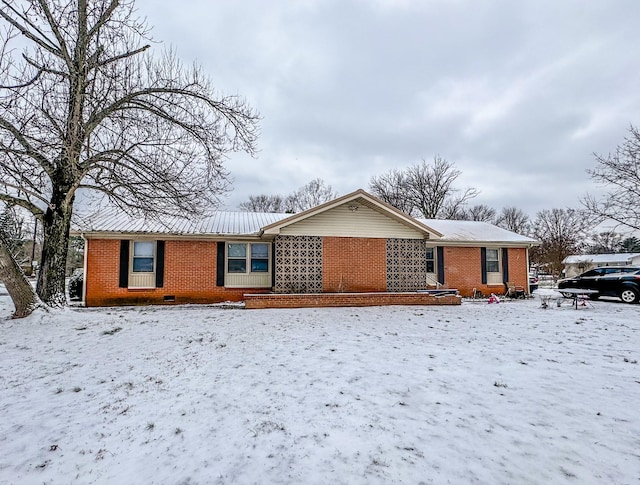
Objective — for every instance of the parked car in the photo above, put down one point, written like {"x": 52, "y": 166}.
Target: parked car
{"x": 620, "y": 281}
{"x": 75, "y": 284}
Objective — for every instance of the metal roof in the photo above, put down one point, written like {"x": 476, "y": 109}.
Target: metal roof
{"x": 475, "y": 231}
{"x": 219, "y": 223}
{"x": 239, "y": 223}
{"x": 620, "y": 258}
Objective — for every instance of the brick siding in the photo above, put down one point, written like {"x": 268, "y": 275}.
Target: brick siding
{"x": 352, "y": 264}
{"x": 255, "y": 301}
{"x": 462, "y": 270}
{"x": 189, "y": 276}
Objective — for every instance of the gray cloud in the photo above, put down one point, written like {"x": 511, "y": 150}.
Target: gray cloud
{"x": 518, "y": 94}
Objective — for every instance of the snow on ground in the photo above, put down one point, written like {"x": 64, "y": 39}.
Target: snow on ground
{"x": 492, "y": 394}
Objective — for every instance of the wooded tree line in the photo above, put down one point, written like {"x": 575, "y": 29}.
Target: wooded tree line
{"x": 86, "y": 105}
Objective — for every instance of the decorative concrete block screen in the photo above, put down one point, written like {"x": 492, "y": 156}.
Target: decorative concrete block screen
{"x": 406, "y": 264}
{"x": 298, "y": 264}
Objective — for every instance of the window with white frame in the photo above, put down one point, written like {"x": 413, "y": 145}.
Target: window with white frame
{"x": 247, "y": 258}
{"x": 431, "y": 266}
{"x": 143, "y": 257}
{"x": 142, "y": 264}
{"x": 259, "y": 258}
{"x": 493, "y": 260}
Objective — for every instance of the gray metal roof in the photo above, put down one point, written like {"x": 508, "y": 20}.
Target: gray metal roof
{"x": 620, "y": 258}
{"x": 219, "y": 223}
{"x": 475, "y": 231}
{"x": 229, "y": 223}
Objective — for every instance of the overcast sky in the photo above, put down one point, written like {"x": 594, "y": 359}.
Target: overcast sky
{"x": 518, "y": 94}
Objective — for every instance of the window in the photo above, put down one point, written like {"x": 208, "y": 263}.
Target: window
{"x": 143, "y": 254}
{"x": 493, "y": 260}
{"x": 237, "y": 258}
{"x": 431, "y": 267}
{"x": 251, "y": 256}
{"x": 259, "y": 258}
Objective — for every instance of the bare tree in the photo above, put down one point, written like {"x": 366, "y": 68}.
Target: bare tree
{"x": 620, "y": 173}
{"x": 481, "y": 212}
{"x": 426, "y": 189}
{"x": 514, "y": 219}
{"x": 607, "y": 242}
{"x": 394, "y": 189}
{"x": 561, "y": 233}
{"x": 87, "y": 106}
{"x": 310, "y": 195}
{"x": 263, "y": 203}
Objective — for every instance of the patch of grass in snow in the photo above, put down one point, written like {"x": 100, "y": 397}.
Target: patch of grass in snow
{"x": 266, "y": 427}
{"x": 376, "y": 461}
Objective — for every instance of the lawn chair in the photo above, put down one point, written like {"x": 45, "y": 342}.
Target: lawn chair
{"x": 515, "y": 291}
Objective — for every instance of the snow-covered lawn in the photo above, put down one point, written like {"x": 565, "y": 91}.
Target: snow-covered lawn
{"x": 507, "y": 393}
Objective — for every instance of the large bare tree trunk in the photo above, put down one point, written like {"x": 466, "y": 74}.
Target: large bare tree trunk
{"x": 20, "y": 290}
{"x": 53, "y": 264}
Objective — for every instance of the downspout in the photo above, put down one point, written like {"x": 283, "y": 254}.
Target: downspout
{"x": 528, "y": 269}
{"x": 84, "y": 270}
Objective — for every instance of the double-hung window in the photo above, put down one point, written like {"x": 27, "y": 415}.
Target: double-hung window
{"x": 431, "y": 265}
{"x": 248, "y": 265}
{"x": 492, "y": 266}
{"x": 143, "y": 253}
{"x": 142, "y": 264}
{"x": 493, "y": 260}
{"x": 237, "y": 258}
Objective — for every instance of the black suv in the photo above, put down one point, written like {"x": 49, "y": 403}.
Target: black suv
{"x": 620, "y": 281}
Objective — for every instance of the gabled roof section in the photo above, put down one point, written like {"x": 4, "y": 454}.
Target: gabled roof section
{"x": 476, "y": 232}
{"x": 357, "y": 197}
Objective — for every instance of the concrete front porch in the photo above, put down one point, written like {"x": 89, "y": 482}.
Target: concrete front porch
{"x": 311, "y": 300}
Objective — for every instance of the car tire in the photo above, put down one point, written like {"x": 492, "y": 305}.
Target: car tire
{"x": 629, "y": 295}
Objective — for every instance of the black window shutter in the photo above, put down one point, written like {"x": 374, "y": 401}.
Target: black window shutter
{"x": 505, "y": 265}
{"x": 220, "y": 264}
{"x": 483, "y": 264}
{"x": 159, "y": 264}
{"x": 440, "y": 262}
{"x": 123, "y": 281}
{"x": 273, "y": 264}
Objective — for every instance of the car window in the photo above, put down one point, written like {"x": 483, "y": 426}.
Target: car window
{"x": 612, "y": 270}
{"x": 631, "y": 270}
{"x": 591, "y": 274}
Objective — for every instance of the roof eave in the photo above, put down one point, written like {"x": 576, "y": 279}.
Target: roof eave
{"x": 479, "y": 243}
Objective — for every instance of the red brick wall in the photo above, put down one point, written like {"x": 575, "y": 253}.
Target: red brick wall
{"x": 346, "y": 299}
{"x": 349, "y": 265}
{"x": 352, "y": 264}
{"x": 189, "y": 276}
{"x": 518, "y": 269}
{"x": 463, "y": 271}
